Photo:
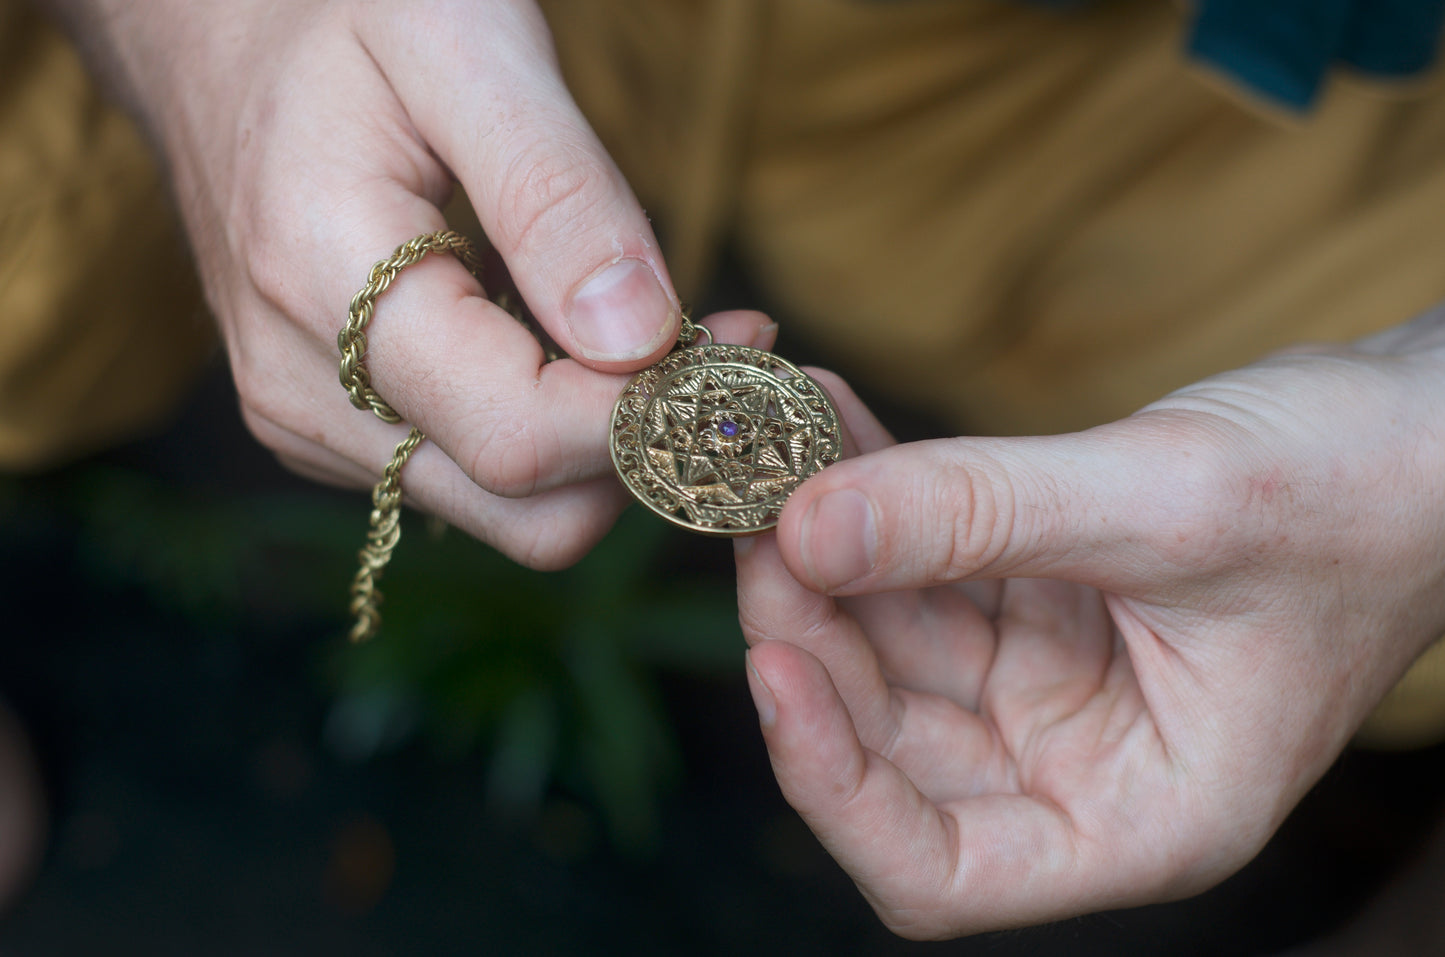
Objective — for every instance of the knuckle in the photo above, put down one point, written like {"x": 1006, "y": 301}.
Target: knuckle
{"x": 1206, "y": 510}
{"x": 550, "y": 555}
{"x": 752, "y": 621}
{"x": 807, "y": 622}
{"x": 270, "y": 270}
{"x": 980, "y": 513}
{"x": 910, "y": 924}
{"x": 539, "y": 545}
{"x": 271, "y": 412}
{"x": 545, "y": 194}
{"x": 507, "y": 461}
{"x": 249, "y": 378}
{"x": 262, "y": 428}
{"x": 846, "y": 793}
{"x": 277, "y": 440}
{"x": 264, "y": 408}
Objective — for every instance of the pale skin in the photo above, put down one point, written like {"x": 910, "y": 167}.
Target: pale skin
{"x": 1069, "y": 673}
{"x": 1088, "y": 671}
{"x": 305, "y": 141}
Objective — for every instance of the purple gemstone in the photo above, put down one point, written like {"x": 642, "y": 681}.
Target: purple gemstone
{"x": 728, "y": 427}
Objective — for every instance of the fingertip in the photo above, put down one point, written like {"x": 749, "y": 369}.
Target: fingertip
{"x": 764, "y": 700}
{"x": 792, "y": 680}
{"x": 623, "y": 315}
{"x": 830, "y": 540}
{"x": 767, "y": 657}
{"x": 799, "y": 680}
{"x": 862, "y": 432}
{"x": 766, "y": 337}
{"x": 746, "y": 327}
{"x": 811, "y": 738}
{"x": 743, "y": 547}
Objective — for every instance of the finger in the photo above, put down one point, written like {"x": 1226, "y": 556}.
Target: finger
{"x": 448, "y": 361}
{"x": 864, "y": 810}
{"x": 772, "y": 606}
{"x": 515, "y": 431}
{"x": 441, "y": 355}
{"x": 947, "y": 750}
{"x": 1109, "y": 507}
{"x": 549, "y": 197}
{"x": 1058, "y": 655}
{"x": 478, "y": 384}
{"x": 521, "y": 430}
{"x": 934, "y": 640}
{"x": 546, "y": 531}
{"x": 863, "y": 432}
{"x": 744, "y": 327}
{"x": 927, "y": 871}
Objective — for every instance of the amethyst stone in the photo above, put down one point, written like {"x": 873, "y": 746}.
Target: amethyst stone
{"x": 728, "y": 428}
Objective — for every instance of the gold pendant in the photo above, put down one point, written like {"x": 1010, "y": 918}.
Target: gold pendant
{"x": 714, "y": 438}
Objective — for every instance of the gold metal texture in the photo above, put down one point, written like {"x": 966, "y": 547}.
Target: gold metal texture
{"x": 385, "y": 526}
{"x": 714, "y": 438}
{"x": 352, "y": 339}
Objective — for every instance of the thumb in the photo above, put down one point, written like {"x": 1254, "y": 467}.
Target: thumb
{"x": 1100, "y": 508}
{"x": 575, "y": 239}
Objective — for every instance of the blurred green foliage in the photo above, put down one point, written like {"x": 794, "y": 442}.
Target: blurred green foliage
{"x": 551, "y": 678}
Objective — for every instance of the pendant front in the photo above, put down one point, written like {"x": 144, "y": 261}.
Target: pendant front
{"x": 716, "y": 437}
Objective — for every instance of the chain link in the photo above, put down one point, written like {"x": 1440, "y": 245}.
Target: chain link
{"x": 352, "y": 338}
{"x": 381, "y": 541}
{"x": 385, "y": 529}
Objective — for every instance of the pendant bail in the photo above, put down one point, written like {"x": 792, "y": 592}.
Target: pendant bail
{"x": 688, "y": 331}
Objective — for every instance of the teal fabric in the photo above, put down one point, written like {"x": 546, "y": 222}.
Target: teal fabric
{"x": 1284, "y": 50}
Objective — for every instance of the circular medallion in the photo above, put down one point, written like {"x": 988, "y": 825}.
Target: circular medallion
{"x": 715, "y": 438}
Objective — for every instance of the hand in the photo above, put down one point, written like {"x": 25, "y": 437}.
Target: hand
{"x": 307, "y": 140}
{"x": 1029, "y": 678}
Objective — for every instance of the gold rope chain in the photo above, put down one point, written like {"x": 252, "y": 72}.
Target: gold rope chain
{"x": 352, "y": 338}
{"x": 385, "y": 530}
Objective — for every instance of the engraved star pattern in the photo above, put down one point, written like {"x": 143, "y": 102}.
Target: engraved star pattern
{"x": 686, "y": 441}
{"x": 715, "y": 437}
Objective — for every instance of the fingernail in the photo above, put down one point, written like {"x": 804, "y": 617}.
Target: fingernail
{"x": 763, "y": 698}
{"x": 765, "y": 337}
{"x": 743, "y": 546}
{"x": 621, "y": 313}
{"x": 839, "y": 538}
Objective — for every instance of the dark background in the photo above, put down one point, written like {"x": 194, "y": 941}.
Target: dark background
{"x": 521, "y": 764}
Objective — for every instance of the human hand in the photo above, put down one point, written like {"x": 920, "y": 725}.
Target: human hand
{"x": 306, "y": 141}
{"x": 1031, "y": 678}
